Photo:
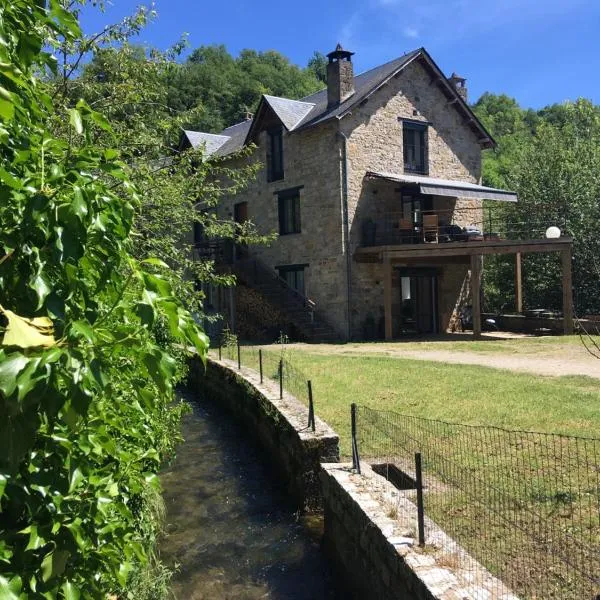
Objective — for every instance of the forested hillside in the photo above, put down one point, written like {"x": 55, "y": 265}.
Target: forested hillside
{"x": 225, "y": 87}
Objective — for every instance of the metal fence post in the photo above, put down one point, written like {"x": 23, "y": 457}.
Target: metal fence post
{"x": 260, "y": 364}
{"x": 355, "y": 456}
{"x": 311, "y": 406}
{"x": 280, "y": 378}
{"x": 420, "y": 510}
{"x": 239, "y": 355}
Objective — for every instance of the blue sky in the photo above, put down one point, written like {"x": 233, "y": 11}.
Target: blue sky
{"x": 538, "y": 51}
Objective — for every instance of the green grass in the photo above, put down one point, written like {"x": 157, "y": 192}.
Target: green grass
{"x": 470, "y": 470}
{"x": 457, "y": 393}
{"x": 458, "y": 343}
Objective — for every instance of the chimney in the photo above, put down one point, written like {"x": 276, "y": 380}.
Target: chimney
{"x": 340, "y": 76}
{"x": 459, "y": 83}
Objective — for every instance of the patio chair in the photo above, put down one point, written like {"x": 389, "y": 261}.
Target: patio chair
{"x": 430, "y": 229}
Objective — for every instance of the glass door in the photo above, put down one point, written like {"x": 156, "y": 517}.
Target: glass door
{"x": 418, "y": 301}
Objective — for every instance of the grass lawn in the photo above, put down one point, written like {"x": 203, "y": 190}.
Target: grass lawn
{"x": 499, "y": 494}
{"x": 540, "y": 345}
{"x": 457, "y": 393}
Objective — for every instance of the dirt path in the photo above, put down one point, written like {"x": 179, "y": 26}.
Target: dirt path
{"x": 568, "y": 360}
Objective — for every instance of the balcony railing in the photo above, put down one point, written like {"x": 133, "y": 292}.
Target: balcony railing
{"x": 390, "y": 231}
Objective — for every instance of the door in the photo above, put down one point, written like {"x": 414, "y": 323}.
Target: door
{"x": 418, "y": 301}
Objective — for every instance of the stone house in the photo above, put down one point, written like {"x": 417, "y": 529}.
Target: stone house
{"x": 374, "y": 187}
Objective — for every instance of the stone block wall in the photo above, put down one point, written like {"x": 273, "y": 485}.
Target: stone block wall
{"x": 370, "y": 535}
{"x": 312, "y": 160}
{"x": 278, "y": 425}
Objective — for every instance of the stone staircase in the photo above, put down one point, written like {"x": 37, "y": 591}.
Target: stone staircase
{"x": 301, "y": 311}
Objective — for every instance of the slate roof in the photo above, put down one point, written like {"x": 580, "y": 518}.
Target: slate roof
{"x": 291, "y": 112}
{"x": 213, "y": 141}
{"x": 312, "y": 110}
{"x": 364, "y": 85}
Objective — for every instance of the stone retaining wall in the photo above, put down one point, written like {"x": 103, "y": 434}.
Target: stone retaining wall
{"x": 278, "y": 425}
{"x": 370, "y": 531}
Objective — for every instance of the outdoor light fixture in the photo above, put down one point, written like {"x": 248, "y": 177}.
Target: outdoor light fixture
{"x": 553, "y": 233}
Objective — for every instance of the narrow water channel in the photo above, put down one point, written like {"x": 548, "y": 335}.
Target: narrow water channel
{"x": 231, "y": 529}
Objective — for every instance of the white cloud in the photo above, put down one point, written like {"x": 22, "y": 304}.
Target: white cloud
{"x": 447, "y": 20}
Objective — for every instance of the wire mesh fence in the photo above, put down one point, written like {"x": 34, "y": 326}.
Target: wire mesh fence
{"x": 525, "y": 505}
{"x": 271, "y": 365}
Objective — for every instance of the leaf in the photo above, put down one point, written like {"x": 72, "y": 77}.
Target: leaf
{"x": 54, "y": 564}
{"x": 9, "y": 369}
{"x": 3, "y": 481}
{"x": 70, "y": 591}
{"x": 80, "y": 207}
{"x": 41, "y": 287}
{"x": 35, "y": 540}
{"x": 27, "y": 333}
{"x": 10, "y": 589}
{"x": 10, "y": 180}
{"x": 157, "y": 262}
{"x": 7, "y": 110}
{"x": 110, "y": 154}
{"x": 76, "y": 478}
{"x": 75, "y": 120}
{"x": 123, "y": 574}
{"x": 30, "y": 376}
{"x": 82, "y": 329}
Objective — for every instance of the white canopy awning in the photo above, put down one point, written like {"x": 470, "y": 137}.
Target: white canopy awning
{"x": 447, "y": 187}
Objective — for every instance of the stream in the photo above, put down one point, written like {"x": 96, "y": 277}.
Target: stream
{"x": 232, "y": 532}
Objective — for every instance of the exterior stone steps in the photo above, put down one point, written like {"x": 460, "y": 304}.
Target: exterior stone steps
{"x": 311, "y": 326}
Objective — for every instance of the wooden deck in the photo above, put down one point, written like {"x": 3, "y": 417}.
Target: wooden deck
{"x": 470, "y": 253}
{"x": 451, "y": 249}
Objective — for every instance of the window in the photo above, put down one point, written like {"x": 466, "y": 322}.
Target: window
{"x": 275, "y": 155}
{"x": 289, "y": 211}
{"x": 293, "y": 275}
{"x": 415, "y": 145}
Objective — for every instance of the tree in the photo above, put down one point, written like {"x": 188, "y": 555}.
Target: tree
{"x": 224, "y": 88}
{"x": 556, "y": 173}
{"x": 86, "y": 388}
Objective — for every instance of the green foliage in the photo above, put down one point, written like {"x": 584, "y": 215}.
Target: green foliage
{"x": 88, "y": 409}
{"x": 223, "y": 88}
{"x": 552, "y": 159}
{"x": 176, "y": 187}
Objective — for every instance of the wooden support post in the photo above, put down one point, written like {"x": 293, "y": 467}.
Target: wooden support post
{"x": 518, "y": 284}
{"x": 387, "y": 297}
{"x": 567, "y": 290}
{"x": 476, "y": 293}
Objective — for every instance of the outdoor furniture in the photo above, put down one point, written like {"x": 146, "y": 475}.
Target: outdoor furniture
{"x": 430, "y": 229}
{"x": 407, "y": 231}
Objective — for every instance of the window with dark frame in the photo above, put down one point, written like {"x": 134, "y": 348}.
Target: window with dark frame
{"x": 275, "y": 158}
{"x": 293, "y": 275}
{"x": 415, "y": 147}
{"x": 289, "y": 211}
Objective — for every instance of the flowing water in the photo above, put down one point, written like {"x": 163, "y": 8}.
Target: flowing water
{"x": 231, "y": 529}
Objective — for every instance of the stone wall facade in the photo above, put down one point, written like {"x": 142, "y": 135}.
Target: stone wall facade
{"x": 375, "y": 143}
{"x": 311, "y": 160}
{"x": 278, "y": 425}
{"x": 348, "y": 294}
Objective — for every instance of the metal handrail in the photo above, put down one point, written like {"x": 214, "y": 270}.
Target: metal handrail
{"x": 254, "y": 265}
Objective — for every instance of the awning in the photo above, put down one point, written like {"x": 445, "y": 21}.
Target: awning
{"x": 447, "y": 187}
